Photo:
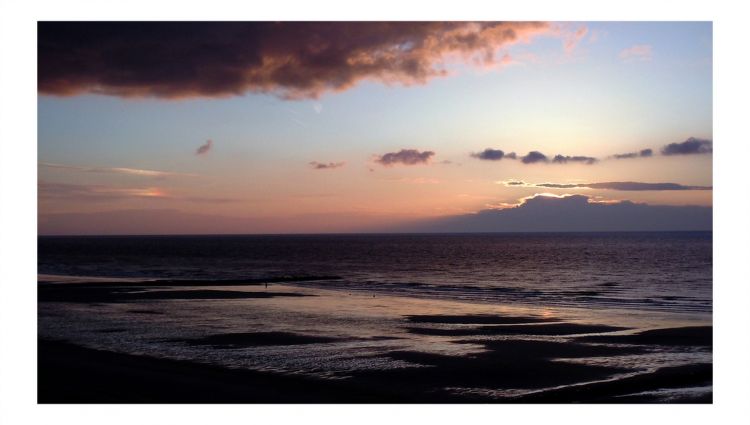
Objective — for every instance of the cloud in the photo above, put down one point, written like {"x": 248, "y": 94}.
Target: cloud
{"x": 490, "y": 154}
{"x": 405, "y": 157}
{"x": 534, "y": 157}
{"x": 572, "y": 213}
{"x": 76, "y": 192}
{"x": 628, "y": 186}
{"x": 571, "y": 39}
{"x": 116, "y": 170}
{"x": 326, "y": 166}
{"x": 621, "y": 186}
{"x": 557, "y": 185}
{"x": 560, "y": 159}
{"x": 290, "y": 59}
{"x": 102, "y": 193}
{"x": 644, "y": 153}
{"x": 639, "y": 52}
{"x": 204, "y": 148}
{"x": 690, "y": 146}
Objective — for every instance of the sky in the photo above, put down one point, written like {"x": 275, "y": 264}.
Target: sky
{"x": 340, "y": 127}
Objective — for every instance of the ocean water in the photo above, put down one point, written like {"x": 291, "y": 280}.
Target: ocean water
{"x": 669, "y": 271}
{"x": 368, "y": 306}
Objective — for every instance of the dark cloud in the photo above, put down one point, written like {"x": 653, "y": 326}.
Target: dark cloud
{"x": 557, "y": 185}
{"x": 645, "y": 153}
{"x": 573, "y": 213}
{"x": 634, "y": 186}
{"x": 561, "y": 159}
{"x": 204, "y": 148}
{"x": 289, "y": 59}
{"x": 326, "y": 166}
{"x": 514, "y": 183}
{"x": 622, "y": 186}
{"x": 406, "y": 157}
{"x": 690, "y": 146}
{"x": 534, "y": 157}
{"x": 489, "y": 154}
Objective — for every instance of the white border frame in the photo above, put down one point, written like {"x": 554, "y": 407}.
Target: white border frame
{"x": 18, "y": 211}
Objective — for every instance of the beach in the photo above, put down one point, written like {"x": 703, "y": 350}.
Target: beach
{"x": 255, "y": 341}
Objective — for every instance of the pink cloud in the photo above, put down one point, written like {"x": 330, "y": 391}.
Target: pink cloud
{"x": 116, "y": 170}
{"x": 571, "y": 39}
{"x": 100, "y": 193}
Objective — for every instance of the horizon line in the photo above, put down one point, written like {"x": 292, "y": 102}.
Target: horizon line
{"x": 369, "y": 233}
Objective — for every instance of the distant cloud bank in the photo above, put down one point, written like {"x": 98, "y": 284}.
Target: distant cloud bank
{"x": 573, "y": 213}
{"x": 690, "y": 146}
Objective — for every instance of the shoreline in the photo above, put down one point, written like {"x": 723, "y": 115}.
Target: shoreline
{"x": 313, "y": 284}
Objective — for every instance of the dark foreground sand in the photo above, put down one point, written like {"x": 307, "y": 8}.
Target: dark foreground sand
{"x": 72, "y": 374}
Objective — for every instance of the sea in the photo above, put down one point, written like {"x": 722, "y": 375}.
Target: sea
{"x": 670, "y": 271}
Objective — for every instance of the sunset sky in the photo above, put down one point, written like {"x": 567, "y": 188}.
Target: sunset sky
{"x": 336, "y": 127}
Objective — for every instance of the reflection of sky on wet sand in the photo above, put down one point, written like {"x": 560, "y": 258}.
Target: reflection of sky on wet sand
{"x": 369, "y": 327}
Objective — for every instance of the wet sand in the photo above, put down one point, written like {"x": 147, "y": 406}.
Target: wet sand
{"x": 71, "y": 374}
{"x": 291, "y": 344}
